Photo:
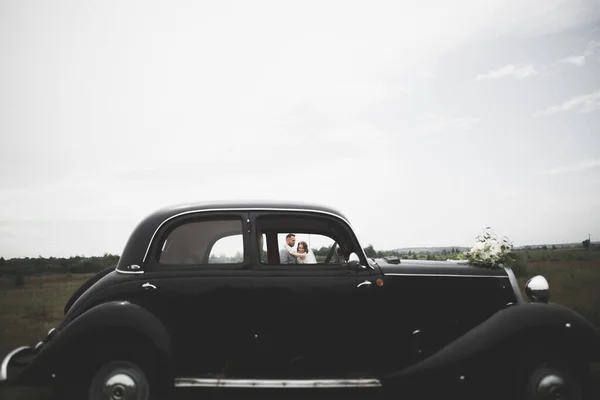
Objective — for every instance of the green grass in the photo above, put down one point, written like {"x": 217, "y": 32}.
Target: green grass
{"x": 560, "y": 255}
{"x": 29, "y": 311}
{"x": 574, "y": 284}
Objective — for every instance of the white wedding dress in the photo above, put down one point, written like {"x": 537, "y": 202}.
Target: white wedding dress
{"x": 308, "y": 259}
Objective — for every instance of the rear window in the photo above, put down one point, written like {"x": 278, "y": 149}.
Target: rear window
{"x": 204, "y": 242}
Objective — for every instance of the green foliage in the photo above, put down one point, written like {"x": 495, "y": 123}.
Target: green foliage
{"x": 370, "y": 251}
{"x": 558, "y": 255}
{"x": 52, "y": 265}
{"x": 518, "y": 265}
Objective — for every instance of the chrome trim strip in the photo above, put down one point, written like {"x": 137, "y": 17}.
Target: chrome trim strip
{"x": 250, "y": 209}
{"x": 128, "y": 272}
{"x": 515, "y": 284}
{"x": 6, "y": 361}
{"x": 277, "y": 383}
{"x": 450, "y": 275}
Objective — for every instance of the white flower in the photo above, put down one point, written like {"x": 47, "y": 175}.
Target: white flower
{"x": 479, "y": 246}
{"x": 489, "y": 251}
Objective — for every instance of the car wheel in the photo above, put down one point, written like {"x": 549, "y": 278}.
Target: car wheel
{"x": 554, "y": 381}
{"x": 120, "y": 380}
{"x": 116, "y": 375}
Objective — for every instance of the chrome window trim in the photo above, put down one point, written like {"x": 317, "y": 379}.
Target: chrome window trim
{"x": 448, "y": 275}
{"x": 249, "y": 210}
{"x": 515, "y": 284}
{"x": 276, "y": 383}
{"x": 6, "y": 361}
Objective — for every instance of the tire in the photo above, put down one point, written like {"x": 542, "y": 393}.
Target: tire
{"x": 117, "y": 375}
{"x": 557, "y": 380}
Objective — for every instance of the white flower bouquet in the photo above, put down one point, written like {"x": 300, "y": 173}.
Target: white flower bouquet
{"x": 490, "y": 252}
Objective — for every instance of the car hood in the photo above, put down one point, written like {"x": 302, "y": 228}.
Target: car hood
{"x": 426, "y": 267}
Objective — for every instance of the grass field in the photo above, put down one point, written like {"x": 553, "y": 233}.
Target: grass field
{"x": 29, "y": 311}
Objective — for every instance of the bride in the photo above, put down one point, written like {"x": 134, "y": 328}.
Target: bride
{"x": 304, "y": 255}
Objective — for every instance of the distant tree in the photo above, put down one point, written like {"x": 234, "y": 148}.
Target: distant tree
{"x": 370, "y": 251}
{"x": 544, "y": 247}
{"x": 553, "y": 247}
{"x": 2, "y": 261}
{"x": 586, "y": 244}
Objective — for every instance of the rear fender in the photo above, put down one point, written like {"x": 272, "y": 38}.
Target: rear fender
{"x": 496, "y": 343}
{"x": 112, "y": 323}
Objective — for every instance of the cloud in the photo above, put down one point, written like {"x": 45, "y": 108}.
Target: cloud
{"x": 510, "y": 70}
{"x": 428, "y": 75}
{"x": 580, "y": 60}
{"x": 575, "y": 60}
{"x": 581, "y": 105}
{"x": 579, "y": 166}
{"x": 441, "y": 123}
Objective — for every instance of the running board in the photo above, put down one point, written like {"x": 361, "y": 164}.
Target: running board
{"x": 277, "y": 383}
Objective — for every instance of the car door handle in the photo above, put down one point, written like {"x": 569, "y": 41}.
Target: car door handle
{"x": 148, "y": 286}
{"x": 365, "y": 283}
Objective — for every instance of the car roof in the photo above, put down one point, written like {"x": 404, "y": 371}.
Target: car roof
{"x": 248, "y": 205}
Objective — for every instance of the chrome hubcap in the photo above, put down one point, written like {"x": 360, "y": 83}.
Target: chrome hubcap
{"x": 120, "y": 380}
{"x": 552, "y": 387}
{"x": 120, "y": 386}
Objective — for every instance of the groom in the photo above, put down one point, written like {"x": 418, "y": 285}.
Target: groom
{"x": 284, "y": 254}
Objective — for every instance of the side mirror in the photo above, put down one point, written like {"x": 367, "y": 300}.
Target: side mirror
{"x": 354, "y": 262}
{"x": 537, "y": 289}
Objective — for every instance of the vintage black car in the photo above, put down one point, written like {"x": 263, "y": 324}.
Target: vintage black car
{"x": 201, "y": 299}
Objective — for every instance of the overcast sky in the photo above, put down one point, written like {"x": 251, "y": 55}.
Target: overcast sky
{"x": 424, "y": 122}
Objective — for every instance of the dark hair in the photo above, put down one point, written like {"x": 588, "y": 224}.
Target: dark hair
{"x": 304, "y": 245}
{"x": 289, "y": 235}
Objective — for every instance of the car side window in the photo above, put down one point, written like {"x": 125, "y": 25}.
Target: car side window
{"x": 227, "y": 250}
{"x": 214, "y": 241}
{"x": 289, "y": 239}
{"x": 310, "y": 248}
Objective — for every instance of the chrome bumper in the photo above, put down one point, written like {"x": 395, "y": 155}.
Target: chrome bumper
{"x": 19, "y": 351}
{"x": 13, "y": 356}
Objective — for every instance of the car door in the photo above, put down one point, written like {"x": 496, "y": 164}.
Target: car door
{"x": 197, "y": 283}
{"x": 311, "y": 318}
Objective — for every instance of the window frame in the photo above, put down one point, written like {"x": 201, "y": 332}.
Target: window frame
{"x": 154, "y": 265}
{"x": 343, "y": 232}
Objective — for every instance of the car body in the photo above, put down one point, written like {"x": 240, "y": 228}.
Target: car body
{"x": 174, "y": 314}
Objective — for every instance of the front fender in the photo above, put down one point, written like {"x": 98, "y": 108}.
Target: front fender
{"x": 494, "y": 343}
{"x": 115, "y": 322}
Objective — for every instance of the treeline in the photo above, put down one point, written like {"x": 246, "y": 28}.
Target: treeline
{"x": 53, "y": 265}
{"x": 444, "y": 254}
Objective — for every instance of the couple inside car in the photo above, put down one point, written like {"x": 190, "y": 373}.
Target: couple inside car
{"x": 302, "y": 255}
